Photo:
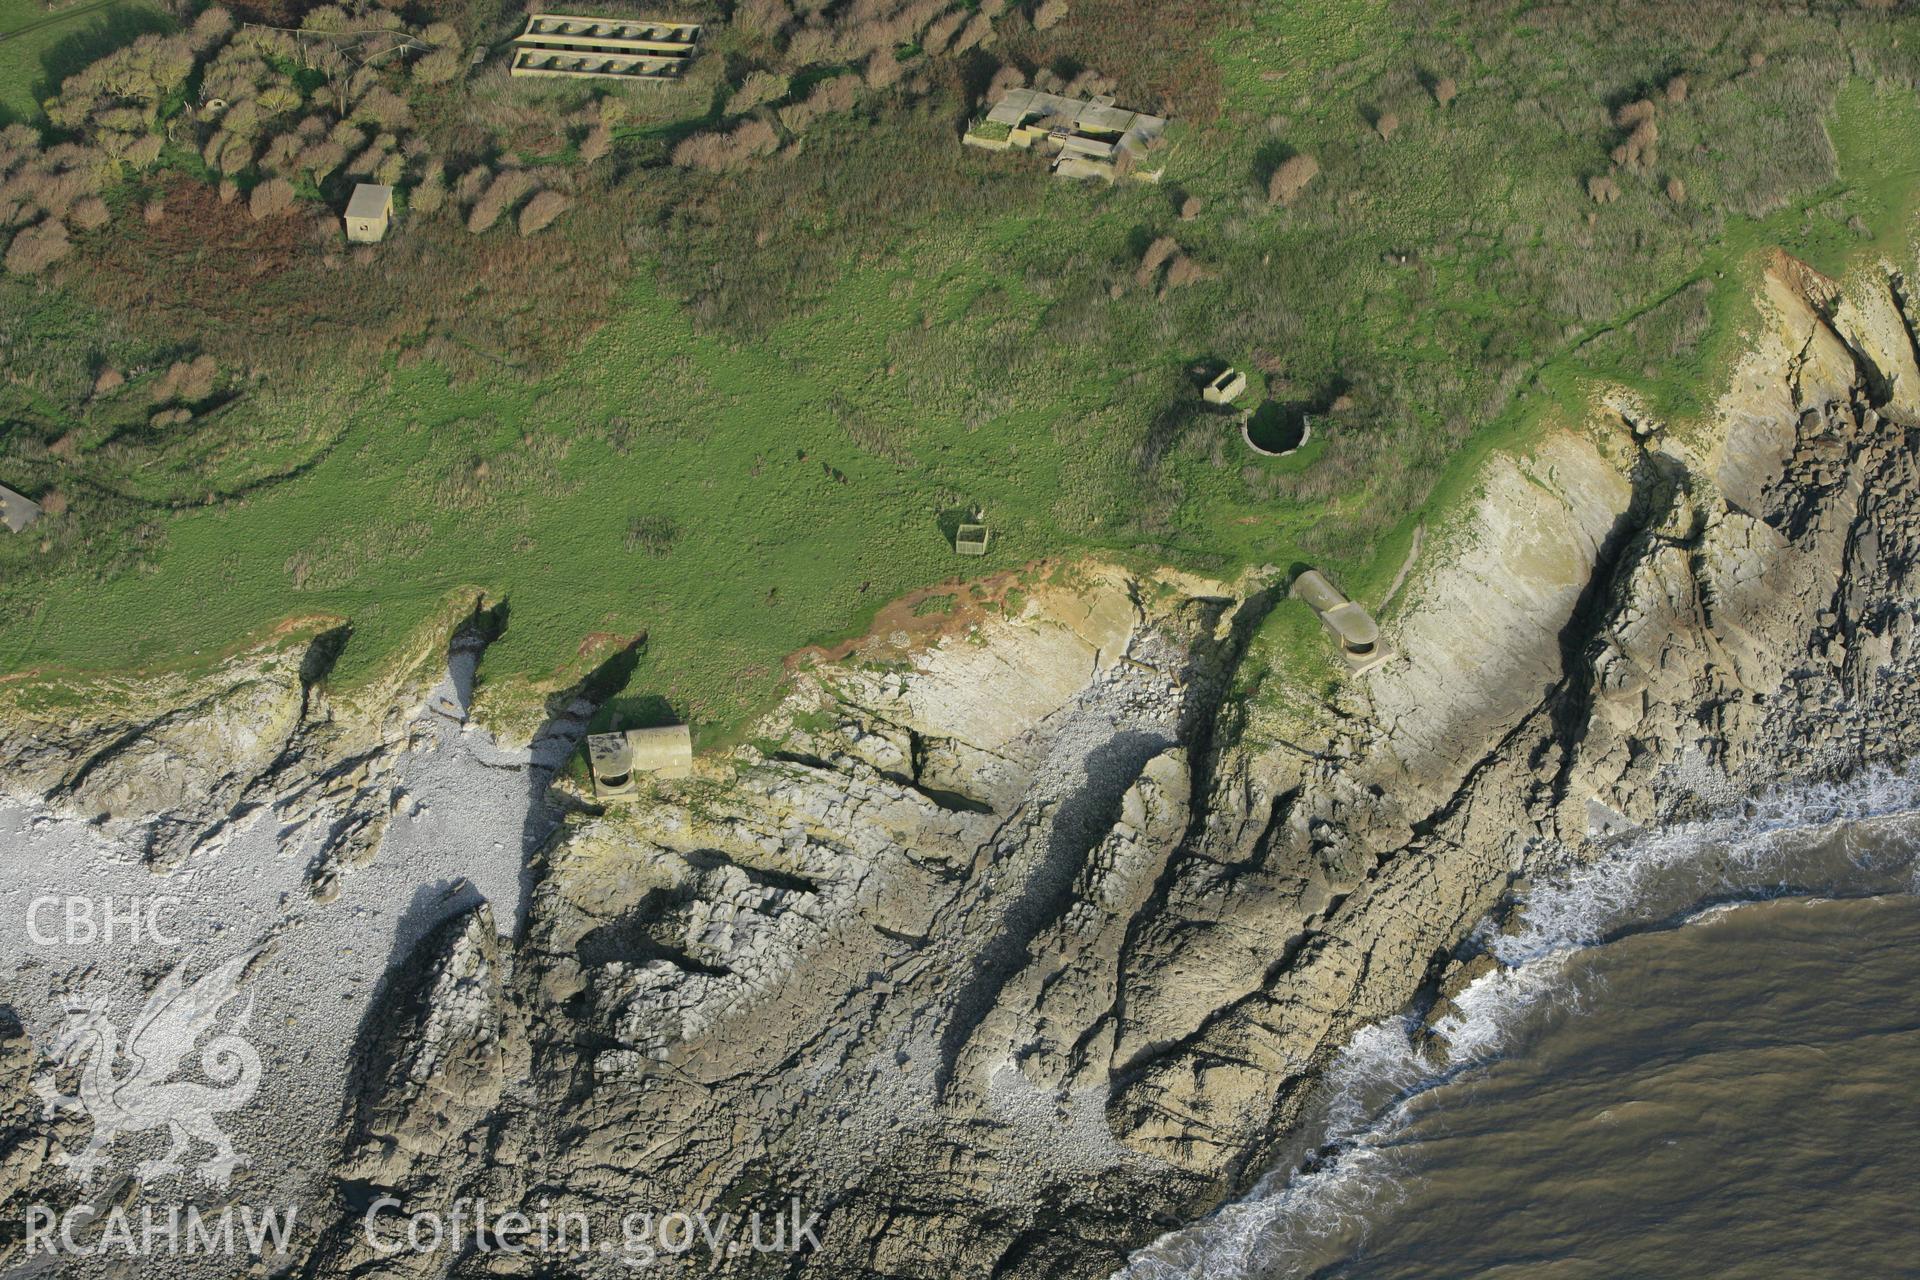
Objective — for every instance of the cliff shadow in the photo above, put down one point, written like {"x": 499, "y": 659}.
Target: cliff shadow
{"x": 1081, "y": 819}
{"x": 570, "y": 715}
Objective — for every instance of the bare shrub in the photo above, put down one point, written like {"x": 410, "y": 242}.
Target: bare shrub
{"x": 499, "y": 196}
{"x": 541, "y": 211}
{"x": 210, "y": 28}
{"x": 188, "y": 381}
{"x": 1190, "y": 208}
{"x": 472, "y": 183}
{"x": 758, "y": 89}
{"x": 596, "y": 144}
{"x": 1445, "y": 90}
{"x": 109, "y": 381}
{"x": 594, "y": 147}
{"x": 383, "y": 107}
{"x": 280, "y": 153}
{"x": 321, "y": 159}
{"x": 439, "y": 66}
{"x": 1049, "y": 14}
{"x": 1291, "y": 178}
{"x": 88, "y": 212}
{"x": 1677, "y": 90}
{"x": 836, "y": 93}
{"x": 53, "y": 503}
{"x": 1602, "y": 189}
{"x": 38, "y": 247}
{"x": 1386, "y": 126}
{"x": 1641, "y": 149}
{"x": 939, "y": 37}
{"x": 367, "y": 161}
{"x": 767, "y": 19}
{"x": 142, "y": 152}
{"x": 430, "y": 196}
{"x": 883, "y": 69}
{"x": 718, "y": 152}
{"x": 1157, "y": 253}
{"x": 229, "y": 153}
{"x": 1676, "y": 191}
{"x": 270, "y": 199}
{"x": 1005, "y": 80}
{"x": 1183, "y": 270}
{"x": 1633, "y": 113}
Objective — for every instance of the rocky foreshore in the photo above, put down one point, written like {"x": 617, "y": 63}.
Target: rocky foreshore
{"x": 1005, "y": 951}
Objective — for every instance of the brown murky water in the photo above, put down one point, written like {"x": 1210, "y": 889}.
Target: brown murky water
{"x": 1740, "y": 1097}
{"x": 1705, "y": 1061}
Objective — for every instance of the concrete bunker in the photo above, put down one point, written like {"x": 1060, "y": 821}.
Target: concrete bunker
{"x": 1352, "y": 627}
{"x": 1224, "y": 387}
{"x": 618, "y": 759}
{"x": 17, "y": 511}
{"x": 1086, "y": 138}
{"x": 369, "y": 212}
{"x": 1275, "y": 430}
{"x": 557, "y": 44}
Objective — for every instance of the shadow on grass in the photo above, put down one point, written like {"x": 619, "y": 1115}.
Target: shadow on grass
{"x": 1270, "y": 156}
{"x": 1278, "y": 426}
{"x": 633, "y": 711}
{"x": 950, "y": 521}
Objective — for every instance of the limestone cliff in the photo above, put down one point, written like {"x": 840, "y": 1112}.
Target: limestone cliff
{"x": 1006, "y": 950}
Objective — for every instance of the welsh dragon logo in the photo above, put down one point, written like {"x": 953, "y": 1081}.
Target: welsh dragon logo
{"x": 129, "y": 1089}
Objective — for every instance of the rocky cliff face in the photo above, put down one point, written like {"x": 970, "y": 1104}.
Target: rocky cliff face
{"x": 1007, "y": 951}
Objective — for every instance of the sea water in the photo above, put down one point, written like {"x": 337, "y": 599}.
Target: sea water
{"x": 1701, "y": 1057}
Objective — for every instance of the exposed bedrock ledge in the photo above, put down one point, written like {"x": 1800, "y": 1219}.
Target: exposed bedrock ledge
{"x": 1011, "y": 950}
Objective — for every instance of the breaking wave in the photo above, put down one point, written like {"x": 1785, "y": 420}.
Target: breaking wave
{"x": 1342, "y": 1173}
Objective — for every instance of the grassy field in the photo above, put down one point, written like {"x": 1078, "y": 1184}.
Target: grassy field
{"x": 39, "y": 46}
{"x": 823, "y": 362}
{"x": 1676, "y": 351}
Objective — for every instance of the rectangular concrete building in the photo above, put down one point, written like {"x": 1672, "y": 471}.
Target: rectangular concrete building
{"x": 557, "y": 44}
{"x": 1227, "y": 386}
{"x": 1351, "y": 626}
{"x": 618, "y": 759}
{"x": 17, "y": 511}
{"x": 369, "y": 212}
{"x": 1086, "y": 138}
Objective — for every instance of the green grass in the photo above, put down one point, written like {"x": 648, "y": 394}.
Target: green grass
{"x": 1868, "y": 211}
{"x": 40, "y": 47}
{"x": 803, "y": 491}
{"x": 740, "y": 487}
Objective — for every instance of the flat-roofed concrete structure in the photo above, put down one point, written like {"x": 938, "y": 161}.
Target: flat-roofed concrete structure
{"x": 369, "y": 211}
{"x": 17, "y": 510}
{"x": 1226, "y": 387}
{"x": 556, "y": 44}
{"x": 971, "y": 539}
{"x": 1352, "y": 627}
{"x": 618, "y": 759}
{"x": 1086, "y": 137}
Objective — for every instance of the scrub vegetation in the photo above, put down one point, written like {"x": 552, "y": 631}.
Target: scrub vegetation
{"x": 710, "y": 362}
